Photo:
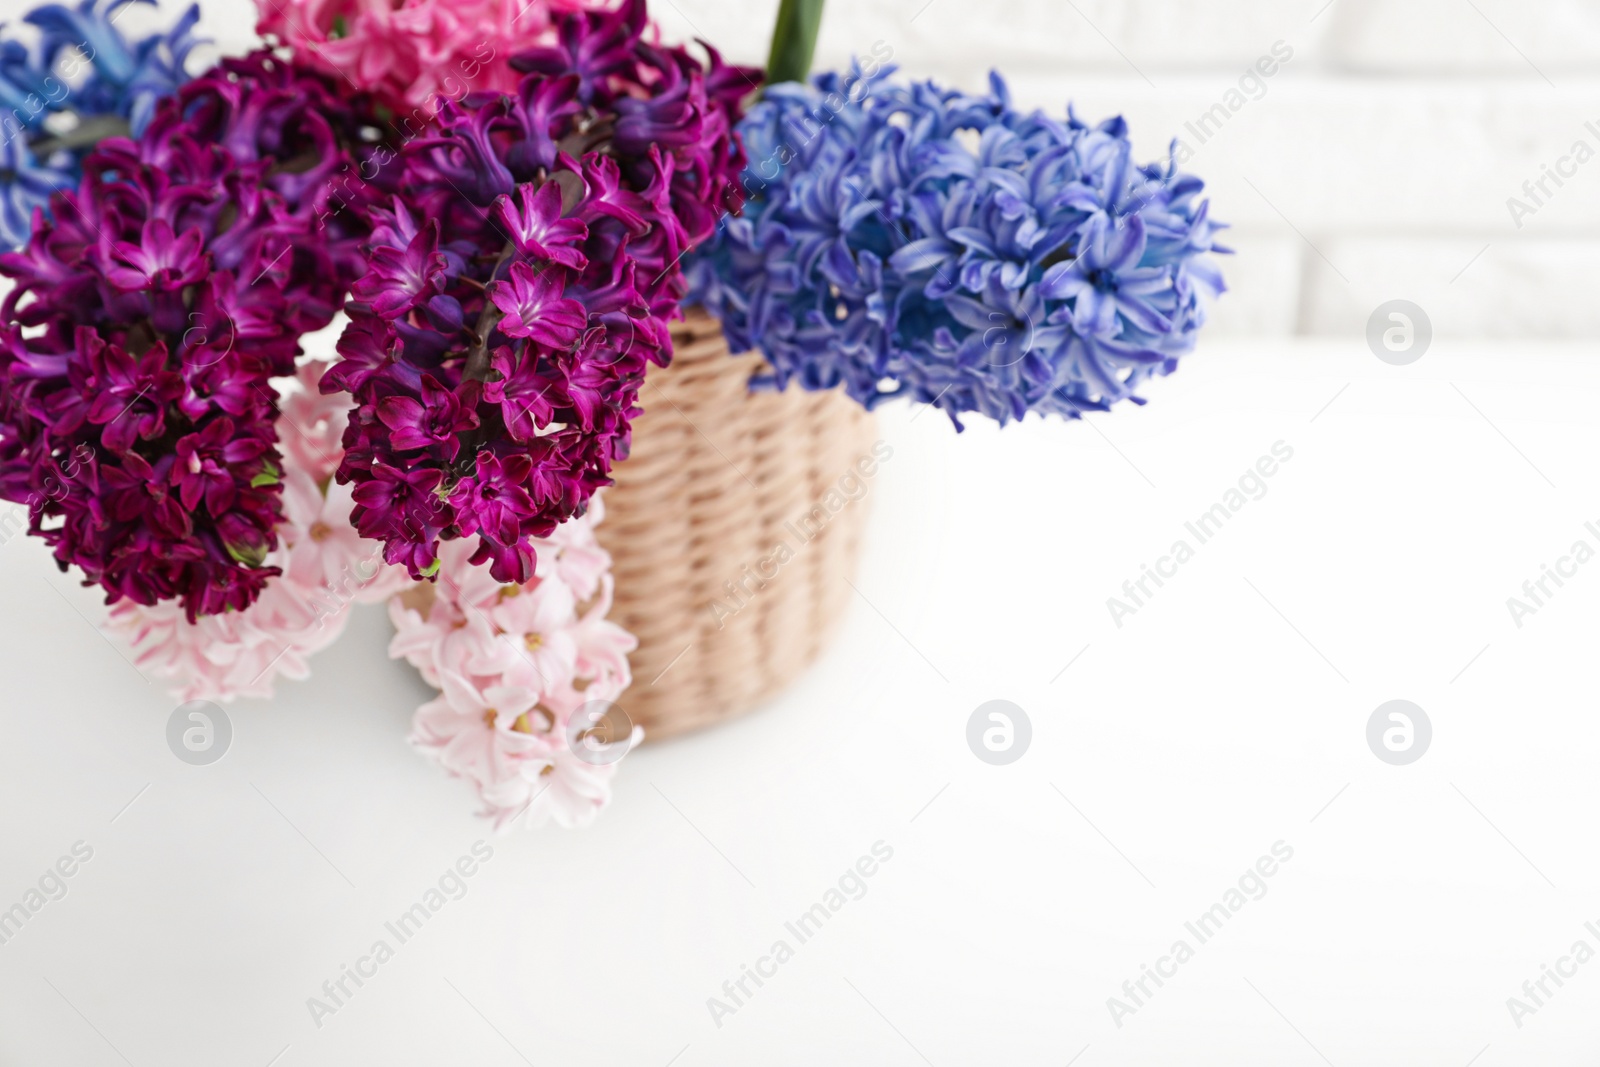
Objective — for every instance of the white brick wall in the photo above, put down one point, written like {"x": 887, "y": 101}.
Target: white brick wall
{"x": 1376, "y": 165}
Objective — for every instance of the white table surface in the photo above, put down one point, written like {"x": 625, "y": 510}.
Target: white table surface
{"x": 1228, "y": 714}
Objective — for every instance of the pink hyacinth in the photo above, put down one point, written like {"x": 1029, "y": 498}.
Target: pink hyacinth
{"x": 515, "y": 665}
{"x": 414, "y": 54}
{"x": 310, "y": 425}
{"x": 326, "y": 567}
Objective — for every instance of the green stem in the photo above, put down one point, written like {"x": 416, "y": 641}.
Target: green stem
{"x": 794, "y": 41}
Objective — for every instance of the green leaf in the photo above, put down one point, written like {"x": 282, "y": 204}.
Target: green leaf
{"x": 794, "y": 41}
{"x": 432, "y": 568}
{"x": 268, "y": 476}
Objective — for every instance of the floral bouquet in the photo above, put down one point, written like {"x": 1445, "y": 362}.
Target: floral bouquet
{"x": 507, "y": 269}
{"x": 503, "y": 207}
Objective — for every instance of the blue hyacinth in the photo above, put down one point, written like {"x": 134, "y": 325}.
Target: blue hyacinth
{"x": 80, "y": 81}
{"x": 919, "y": 241}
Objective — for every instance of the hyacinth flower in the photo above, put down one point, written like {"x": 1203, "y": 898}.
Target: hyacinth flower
{"x": 137, "y": 419}
{"x": 326, "y": 569}
{"x": 413, "y": 54}
{"x": 516, "y": 665}
{"x": 923, "y": 242}
{"x": 84, "y": 80}
{"x": 26, "y": 183}
{"x": 521, "y": 281}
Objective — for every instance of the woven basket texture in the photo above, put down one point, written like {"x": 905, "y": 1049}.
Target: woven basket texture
{"x": 718, "y": 478}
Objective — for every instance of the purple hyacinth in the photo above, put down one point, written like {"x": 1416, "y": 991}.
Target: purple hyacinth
{"x": 918, "y": 241}
{"x": 521, "y": 283}
{"x": 605, "y": 87}
{"x": 136, "y": 418}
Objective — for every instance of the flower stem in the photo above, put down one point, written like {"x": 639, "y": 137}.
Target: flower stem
{"x": 477, "y": 368}
{"x": 86, "y": 134}
{"x": 794, "y": 40}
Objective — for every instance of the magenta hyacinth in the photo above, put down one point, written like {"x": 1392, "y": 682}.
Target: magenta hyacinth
{"x": 521, "y": 282}
{"x": 136, "y": 418}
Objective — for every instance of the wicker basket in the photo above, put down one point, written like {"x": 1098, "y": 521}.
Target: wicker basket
{"x": 719, "y": 478}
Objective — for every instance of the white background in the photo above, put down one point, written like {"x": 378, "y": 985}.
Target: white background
{"x": 1228, "y": 714}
